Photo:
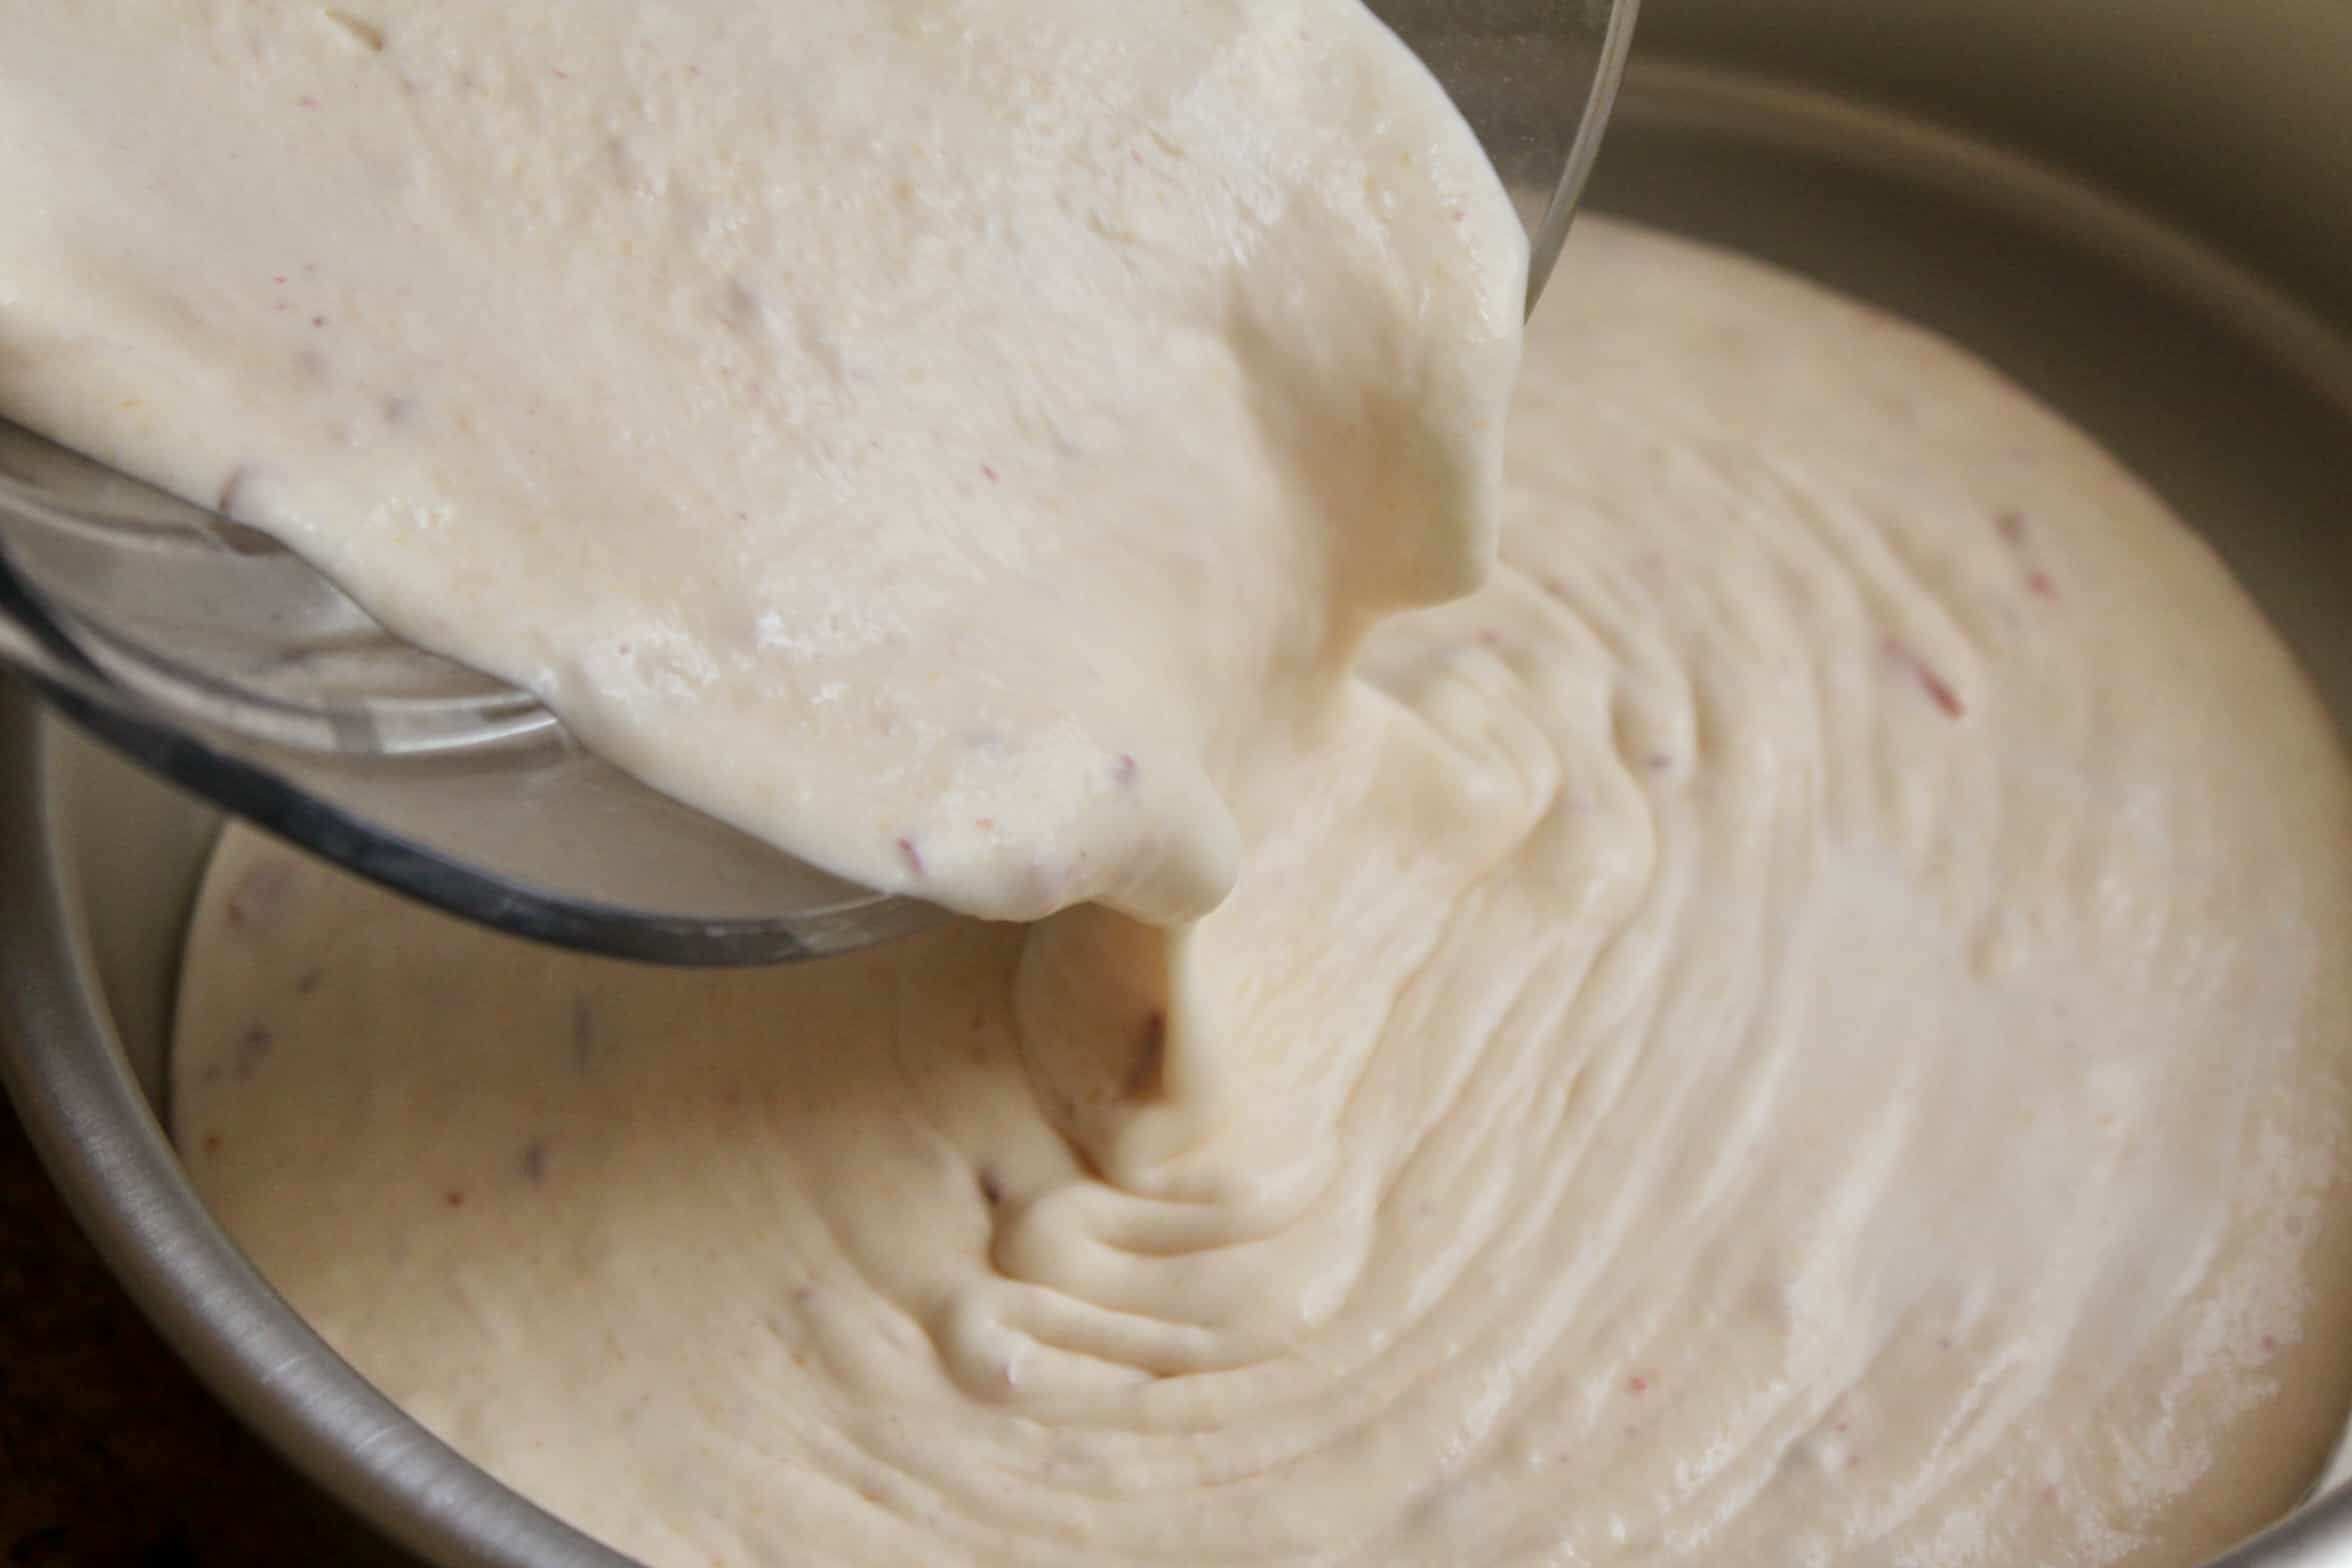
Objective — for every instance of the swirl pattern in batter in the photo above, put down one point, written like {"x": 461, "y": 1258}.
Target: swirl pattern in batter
{"x": 1804, "y": 1023}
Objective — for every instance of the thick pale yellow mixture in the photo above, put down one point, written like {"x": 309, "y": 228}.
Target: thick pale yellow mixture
{"x": 841, "y": 412}
{"x": 1802, "y": 1024}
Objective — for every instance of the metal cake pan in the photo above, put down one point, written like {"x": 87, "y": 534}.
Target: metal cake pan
{"x": 2139, "y": 209}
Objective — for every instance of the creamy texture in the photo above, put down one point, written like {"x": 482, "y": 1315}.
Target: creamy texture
{"x": 1802, "y": 1024}
{"x": 838, "y": 413}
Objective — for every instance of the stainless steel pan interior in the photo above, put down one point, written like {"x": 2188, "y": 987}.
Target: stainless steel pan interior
{"x": 2140, "y": 208}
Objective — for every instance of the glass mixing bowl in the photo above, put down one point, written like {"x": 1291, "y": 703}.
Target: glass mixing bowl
{"x": 215, "y": 657}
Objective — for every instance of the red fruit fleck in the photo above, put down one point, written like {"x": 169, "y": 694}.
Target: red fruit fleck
{"x": 1123, "y": 770}
{"x": 307, "y": 101}
{"x": 911, "y": 855}
{"x": 2038, "y": 583}
{"x": 2269, "y": 1344}
{"x": 454, "y": 1198}
{"x": 1930, "y": 681}
{"x": 990, "y": 472}
{"x": 1945, "y": 698}
{"x": 1637, "y": 1385}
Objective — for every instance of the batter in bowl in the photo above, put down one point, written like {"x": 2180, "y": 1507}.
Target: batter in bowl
{"x": 836, "y": 410}
{"x": 1802, "y": 1023}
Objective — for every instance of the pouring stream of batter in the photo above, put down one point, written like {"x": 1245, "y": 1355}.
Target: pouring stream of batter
{"x": 1798, "y": 1022}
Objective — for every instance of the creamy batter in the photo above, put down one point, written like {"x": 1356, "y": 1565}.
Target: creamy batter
{"x": 837, "y": 411}
{"x": 1802, "y": 1024}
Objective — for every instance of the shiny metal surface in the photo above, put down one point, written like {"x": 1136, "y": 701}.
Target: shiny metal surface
{"x": 202, "y": 649}
{"x": 101, "y": 861}
{"x": 2137, "y": 207}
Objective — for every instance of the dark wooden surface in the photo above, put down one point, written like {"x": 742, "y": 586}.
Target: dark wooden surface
{"x": 111, "y": 1453}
